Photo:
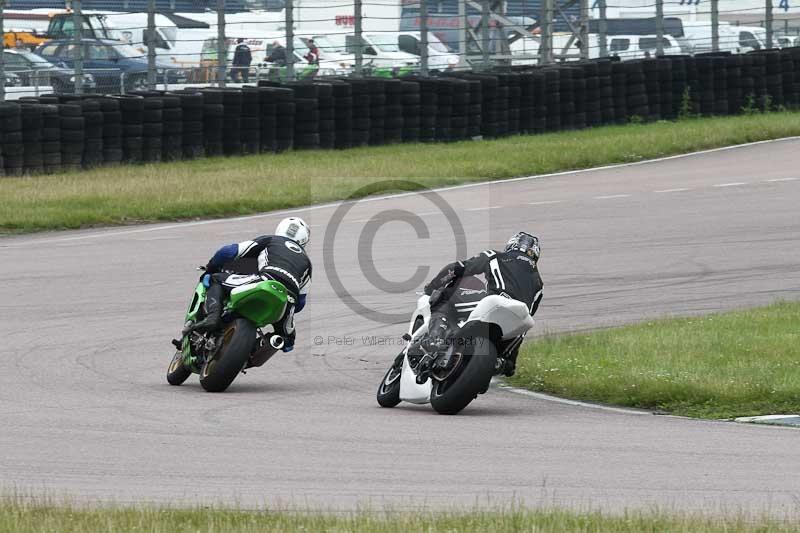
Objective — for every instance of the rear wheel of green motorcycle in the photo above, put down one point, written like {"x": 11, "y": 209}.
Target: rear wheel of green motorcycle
{"x": 177, "y": 372}
{"x": 237, "y": 343}
{"x": 450, "y": 396}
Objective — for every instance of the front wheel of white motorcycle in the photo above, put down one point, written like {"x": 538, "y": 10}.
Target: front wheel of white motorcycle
{"x": 450, "y": 396}
{"x": 389, "y": 389}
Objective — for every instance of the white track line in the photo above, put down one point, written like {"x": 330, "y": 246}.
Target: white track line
{"x": 484, "y": 208}
{"x": 612, "y": 196}
{"x": 782, "y": 179}
{"x": 565, "y": 401}
{"x": 272, "y": 214}
{"x": 734, "y": 184}
{"x": 672, "y": 190}
{"x": 546, "y": 202}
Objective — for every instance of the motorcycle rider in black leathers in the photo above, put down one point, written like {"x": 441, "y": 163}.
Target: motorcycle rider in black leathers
{"x": 512, "y": 273}
{"x": 280, "y": 257}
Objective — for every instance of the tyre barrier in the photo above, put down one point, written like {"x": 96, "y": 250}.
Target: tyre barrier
{"x": 52, "y": 133}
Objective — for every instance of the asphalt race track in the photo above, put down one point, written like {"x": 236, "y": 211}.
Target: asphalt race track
{"x": 87, "y": 318}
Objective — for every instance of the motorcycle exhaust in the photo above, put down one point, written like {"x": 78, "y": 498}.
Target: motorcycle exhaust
{"x": 269, "y": 345}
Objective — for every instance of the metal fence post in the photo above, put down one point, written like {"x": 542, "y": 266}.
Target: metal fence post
{"x": 585, "y": 29}
{"x": 659, "y": 28}
{"x": 485, "y": 33}
{"x": 715, "y": 25}
{"x": 2, "y": 54}
{"x": 151, "y": 44}
{"x": 289, "y": 12}
{"x": 359, "y": 46}
{"x": 546, "y": 45}
{"x": 462, "y": 33}
{"x": 423, "y": 37}
{"x": 769, "y": 23}
{"x": 602, "y": 28}
{"x": 77, "y": 19}
{"x": 222, "y": 45}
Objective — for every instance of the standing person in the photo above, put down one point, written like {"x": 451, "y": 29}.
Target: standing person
{"x": 278, "y": 55}
{"x": 313, "y": 53}
{"x": 242, "y": 57}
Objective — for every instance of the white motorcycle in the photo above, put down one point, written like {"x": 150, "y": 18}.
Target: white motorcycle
{"x": 487, "y": 329}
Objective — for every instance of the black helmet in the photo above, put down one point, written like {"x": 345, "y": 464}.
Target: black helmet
{"x": 525, "y": 243}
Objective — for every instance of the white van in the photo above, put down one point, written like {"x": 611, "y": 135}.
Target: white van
{"x": 440, "y": 58}
{"x": 379, "y": 50}
{"x": 636, "y": 46}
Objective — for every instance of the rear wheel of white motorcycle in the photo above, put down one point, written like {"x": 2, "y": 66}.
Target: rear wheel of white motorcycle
{"x": 450, "y": 396}
{"x": 237, "y": 343}
{"x": 389, "y": 389}
{"x": 177, "y": 372}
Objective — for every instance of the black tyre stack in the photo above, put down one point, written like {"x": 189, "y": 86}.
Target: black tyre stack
{"x": 112, "y": 131}
{"x": 377, "y": 110}
{"x": 788, "y": 74}
{"x": 652, "y": 88}
{"x": 250, "y": 134}
{"x": 393, "y": 120}
{"x": 512, "y": 80}
{"x": 636, "y": 91}
{"x": 733, "y": 68}
{"x": 429, "y": 105}
{"x": 605, "y": 91}
{"x": 412, "y": 109}
{"x": 342, "y": 113}
{"x": 51, "y": 139}
{"x": 93, "y": 134}
{"x": 444, "y": 111}
{"x": 747, "y": 85}
{"x": 284, "y": 119}
{"x": 192, "y": 111}
{"x": 501, "y": 102}
{"x": 213, "y": 122}
{"x": 619, "y": 81}
{"x": 720, "y": 63}
{"x": 306, "y": 125}
{"x": 579, "y": 97}
{"x": 591, "y": 104}
{"x": 232, "y": 122}
{"x": 566, "y": 88}
{"x": 269, "y": 121}
{"x": 475, "y": 109}
{"x": 132, "y": 109}
{"x": 172, "y": 128}
{"x": 13, "y": 148}
{"x": 539, "y": 102}
{"x": 31, "y": 117}
{"x": 704, "y": 90}
{"x": 680, "y": 85}
{"x": 152, "y": 128}
{"x": 526, "y": 102}
{"x": 758, "y": 72}
{"x": 667, "y": 109}
{"x": 72, "y": 127}
{"x": 459, "y": 122}
{"x": 552, "y": 87}
{"x": 774, "y": 79}
{"x": 327, "y": 115}
{"x": 359, "y": 90}
{"x": 794, "y": 53}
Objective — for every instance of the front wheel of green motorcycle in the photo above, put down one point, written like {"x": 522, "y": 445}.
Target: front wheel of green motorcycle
{"x": 237, "y": 343}
{"x": 177, "y": 372}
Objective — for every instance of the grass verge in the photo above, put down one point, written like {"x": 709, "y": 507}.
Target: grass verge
{"x": 742, "y": 363}
{"x": 236, "y": 186}
{"x": 22, "y": 518}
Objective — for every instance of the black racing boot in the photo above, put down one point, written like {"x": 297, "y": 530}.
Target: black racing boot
{"x": 213, "y": 305}
{"x": 436, "y": 341}
{"x": 510, "y": 365}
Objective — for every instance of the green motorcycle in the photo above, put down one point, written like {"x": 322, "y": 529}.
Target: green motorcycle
{"x": 239, "y": 344}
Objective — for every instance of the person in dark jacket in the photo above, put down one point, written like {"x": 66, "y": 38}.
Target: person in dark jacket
{"x": 278, "y": 55}
{"x": 512, "y": 273}
{"x": 242, "y": 57}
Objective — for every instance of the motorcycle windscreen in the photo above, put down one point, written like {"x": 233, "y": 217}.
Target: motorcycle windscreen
{"x": 261, "y": 303}
{"x": 410, "y": 391}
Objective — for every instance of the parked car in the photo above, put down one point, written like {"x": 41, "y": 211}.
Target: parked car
{"x": 34, "y": 70}
{"x": 112, "y": 63}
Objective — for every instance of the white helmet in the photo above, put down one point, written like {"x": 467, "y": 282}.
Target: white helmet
{"x": 294, "y": 228}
